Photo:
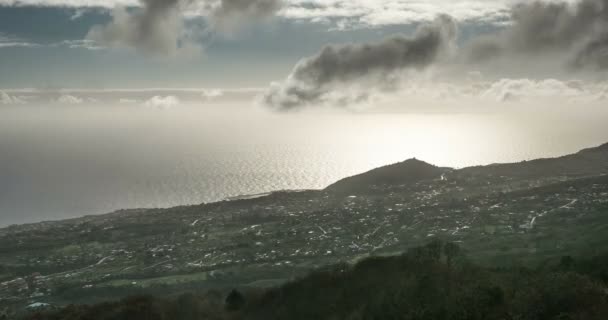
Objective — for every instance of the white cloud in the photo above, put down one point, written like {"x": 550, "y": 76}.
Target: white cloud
{"x": 162, "y": 102}
{"x": 7, "y": 41}
{"x": 69, "y": 3}
{"x": 210, "y": 94}
{"x": 127, "y": 101}
{"x": 424, "y": 90}
{"x": 5, "y": 98}
{"x": 390, "y": 12}
{"x": 354, "y": 12}
{"x": 69, "y": 99}
{"x": 515, "y": 89}
{"x": 81, "y": 44}
{"x": 506, "y": 90}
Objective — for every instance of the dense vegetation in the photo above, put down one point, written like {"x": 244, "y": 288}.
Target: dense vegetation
{"x": 431, "y": 282}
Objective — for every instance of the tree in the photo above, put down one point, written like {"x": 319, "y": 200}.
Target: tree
{"x": 566, "y": 262}
{"x": 235, "y": 301}
{"x": 433, "y": 249}
{"x": 451, "y": 250}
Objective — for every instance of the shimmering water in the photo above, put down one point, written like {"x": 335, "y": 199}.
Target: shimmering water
{"x": 60, "y": 162}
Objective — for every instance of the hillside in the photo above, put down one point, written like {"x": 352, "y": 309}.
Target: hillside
{"x": 406, "y": 172}
{"x": 502, "y": 215}
{"x": 587, "y": 162}
{"x": 431, "y": 282}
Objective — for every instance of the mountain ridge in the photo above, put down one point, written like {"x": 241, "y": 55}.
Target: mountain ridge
{"x": 585, "y": 162}
{"x": 408, "y": 171}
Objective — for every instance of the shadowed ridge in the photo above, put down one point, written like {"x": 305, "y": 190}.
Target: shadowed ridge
{"x": 408, "y": 171}
{"x": 600, "y": 148}
{"x": 587, "y": 162}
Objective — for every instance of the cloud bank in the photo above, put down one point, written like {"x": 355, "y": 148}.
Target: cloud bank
{"x": 69, "y": 99}
{"x": 314, "y": 79}
{"x": 5, "y": 98}
{"x": 8, "y": 41}
{"x": 430, "y": 94}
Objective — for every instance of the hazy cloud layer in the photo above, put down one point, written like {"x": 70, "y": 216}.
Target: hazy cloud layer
{"x": 80, "y": 44}
{"x": 69, "y": 99}
{"x": 415, "y": 91}
{"x": 162, "y": 102}
{"x": 313, "y": 79}
{"x": 5, "y": 98}
{"x": 211, "y": 94}
{"x": 506, "y": 90}
{"x": 578, "y": 30}
{"x": 153, "y": 97}
{"x": 432, "y": 93}
{"x": 8, "y": 41}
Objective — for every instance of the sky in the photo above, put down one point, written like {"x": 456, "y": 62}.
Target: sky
{"x": 45, "y": 44}
{"x": 301, "y": 53}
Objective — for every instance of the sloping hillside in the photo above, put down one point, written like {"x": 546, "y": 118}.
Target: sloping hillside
{"x": 587, "y": 162}
{"x": 405, "y": 172}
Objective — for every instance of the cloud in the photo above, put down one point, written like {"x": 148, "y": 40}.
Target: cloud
{"x": 81, "y": 44}
{"x": 126, "y": 101}
{"x": 210, "y": 94}
{"x": 502, "y": 91}
{"x": 365, "y": 13}
{"x": 348, "y": 12}
{"x": 69, "y": 99}
{"x": 5, "y": 98}
{"x": 314, "y": 79}
{"x": 157, "y": 28}
{"x": 68, "y": 3}
{"x": 162, "y": 102}
{"x": 579, "y": 30}
{"x": 230, "y": 15}
{"x": 506, "y": 90}
{"x": 10, "y": 41}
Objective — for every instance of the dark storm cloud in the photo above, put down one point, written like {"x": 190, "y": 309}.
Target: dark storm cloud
{"x": 578, "y": 30}
{"x": 314, "y": 78}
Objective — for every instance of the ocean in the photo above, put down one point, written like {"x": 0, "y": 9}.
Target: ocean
{"x": 61, "y": 162}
